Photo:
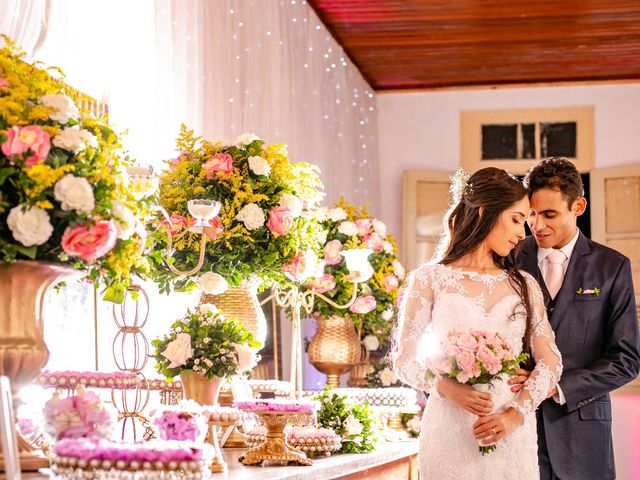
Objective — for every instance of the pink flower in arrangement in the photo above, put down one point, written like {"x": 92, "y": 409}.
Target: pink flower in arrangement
{"x": 21, "y": 140}
{"x": 215, "y": 228}
{"x": 466, "y": 361}
{"x": 466, "y": 341}
{"x": 363, "y": 305}
{"x": 332, "y": 252}
{"x": 375, "y": 242}
{"x": 490, "y": 361}
{"x": 176, "y": 223}
{"x": 4, "y": 82}
{"x": 298, "y": 268}
{"x": 179, "y": 158}
{"x": 364, "y": 226}
{"x": 390, "y": 283}
{"x": 222, "y": 162}
{"x": 280, "y": 220}
{"x": 323, "y": 284}
{"x": 90, "y": 241}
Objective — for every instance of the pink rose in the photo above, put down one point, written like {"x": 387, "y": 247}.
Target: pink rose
{"x": 466, "y": 361}
{"x": 332, "y": 252}
{"x": 374, "y": 242}
{"x": 323, "y": 284}
{"x": 467, "y": 342}
{"x": 490, "y": 361}
{"x": 21, "y": 140}
{"x": 297, "y": 269}
{"x": 179, "y": 158}
{"x": 390, "y": 283}
{"x": 177, "y": 223}
{"x": 363, "y": 305}
{"x": 4, "y": 82}
{"x": 222, "y": 162}
{"x": 364, "y": 226}
{"x": 90, "y": 241}
{"x": 280, "y": 220}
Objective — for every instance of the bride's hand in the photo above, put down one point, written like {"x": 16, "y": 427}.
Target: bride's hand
{"x": 494, "y": 427}
{"x": 466, "y": 397}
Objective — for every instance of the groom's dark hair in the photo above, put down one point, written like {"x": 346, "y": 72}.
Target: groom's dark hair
{"x": 556, "y": 173}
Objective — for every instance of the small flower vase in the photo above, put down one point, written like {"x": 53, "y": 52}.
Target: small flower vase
{"x": 197, "y": 387}
{"x": 501, "y": 396}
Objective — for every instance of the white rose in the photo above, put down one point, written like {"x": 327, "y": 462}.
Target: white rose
{"x": 293, "y": 202}
{"x": 206, "y": 308}
{"x": 387, "y": 315}
{"x": 387, "y": 377}
{"x": 387, "y": 247}
{"x": 371, "y": 343}
{"x": 29, "y": 226}
{"x": 352, "y": 426}
{"x": 213, "y": 283}
{"x": 125, "y": 220}
{"x": 62, "y": 107}
{"x": 246, "y": 356}
{"x": 259, "y": 166}
{"x": 320, "y": 213}
{"x": 245, "y": 139}
{"x": 398, "y": 269}
{"x": 252, "y": 216}
{"x": 74, "y": 193}
{"x": 178, "y": 351}
{"x": 336, "y": 214}
{"x": 414, "y": 424}
{"x": 74, "y": 139}
{"x": 379, "y": 227}
{"x": 348, "y": 228}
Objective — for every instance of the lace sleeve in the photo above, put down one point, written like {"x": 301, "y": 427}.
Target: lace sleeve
{"x": 414, "y": 318}
{"x": 547, "y": 358}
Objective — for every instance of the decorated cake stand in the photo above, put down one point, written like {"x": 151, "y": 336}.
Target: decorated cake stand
{"x": 275, "y": 415}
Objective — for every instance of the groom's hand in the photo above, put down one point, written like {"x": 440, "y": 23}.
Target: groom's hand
{"x": 466, "y": 397}
{"x": 518, "y": 379}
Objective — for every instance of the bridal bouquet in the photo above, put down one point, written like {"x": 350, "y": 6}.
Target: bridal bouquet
{"x": 477, "y": 358}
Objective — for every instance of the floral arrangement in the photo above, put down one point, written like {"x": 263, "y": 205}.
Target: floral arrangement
{"x": 353, "y": 422}
{"x": 267, "y": 216}
{"x": 280, "y": 405}
{"x": 349, "y": 227}
{"x": 64, "y": 195}
{"x": 475, "y": 357}
{"x": 412, "y": 424}
{"x": 205, "y": 341}
{"x": 79, "y": 415}
{"x": 185, "y": 421}
{"x": 382, "y": 376}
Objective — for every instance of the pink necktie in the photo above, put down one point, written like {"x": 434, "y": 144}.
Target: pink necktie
{"x": 553, "y": 278}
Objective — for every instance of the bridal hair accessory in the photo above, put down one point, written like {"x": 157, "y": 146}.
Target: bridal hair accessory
{"x": 460, "y": 185}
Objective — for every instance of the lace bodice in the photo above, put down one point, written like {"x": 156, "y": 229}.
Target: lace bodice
{"x": 440, "y": 298}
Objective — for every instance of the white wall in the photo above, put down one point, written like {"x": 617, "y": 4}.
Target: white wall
{"x": 421, "y": 131}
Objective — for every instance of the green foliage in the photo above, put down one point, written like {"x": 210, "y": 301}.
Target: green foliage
{"x": 216, "y": 345}
{"x": 354, "y": 423}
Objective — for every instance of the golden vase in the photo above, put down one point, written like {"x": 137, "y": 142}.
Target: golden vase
{"x": 242, "y": 303}
{"x": 335, "y": 348}
{"x": 199, "y": 388}
{"x": 23, "y": 351}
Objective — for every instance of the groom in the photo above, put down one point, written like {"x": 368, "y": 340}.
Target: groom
{"x": 591, "y": 306}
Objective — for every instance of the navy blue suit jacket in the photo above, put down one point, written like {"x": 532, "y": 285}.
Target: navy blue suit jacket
{"x": 597, "y": 335}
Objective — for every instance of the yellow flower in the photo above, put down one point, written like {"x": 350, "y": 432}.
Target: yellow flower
{"x": 44, "y": 177}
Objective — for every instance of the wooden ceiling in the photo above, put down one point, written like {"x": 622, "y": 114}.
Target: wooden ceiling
{"x": 415, "y": 44}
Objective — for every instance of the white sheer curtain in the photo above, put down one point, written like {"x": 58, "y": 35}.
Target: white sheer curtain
{"x": 223, "y": 67}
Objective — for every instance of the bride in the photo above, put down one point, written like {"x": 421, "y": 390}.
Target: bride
{"x": 476, "y": 286}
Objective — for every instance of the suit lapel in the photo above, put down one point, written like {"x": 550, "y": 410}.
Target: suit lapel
{"x": 572, "y": 279}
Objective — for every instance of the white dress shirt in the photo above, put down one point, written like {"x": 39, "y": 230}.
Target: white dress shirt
{"x": 542, "y": 265}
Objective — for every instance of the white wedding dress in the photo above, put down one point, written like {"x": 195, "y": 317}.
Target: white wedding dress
{"x": 439, "y": 299}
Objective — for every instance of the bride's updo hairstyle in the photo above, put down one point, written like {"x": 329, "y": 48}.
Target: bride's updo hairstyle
{"x": 477, "y": 203}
